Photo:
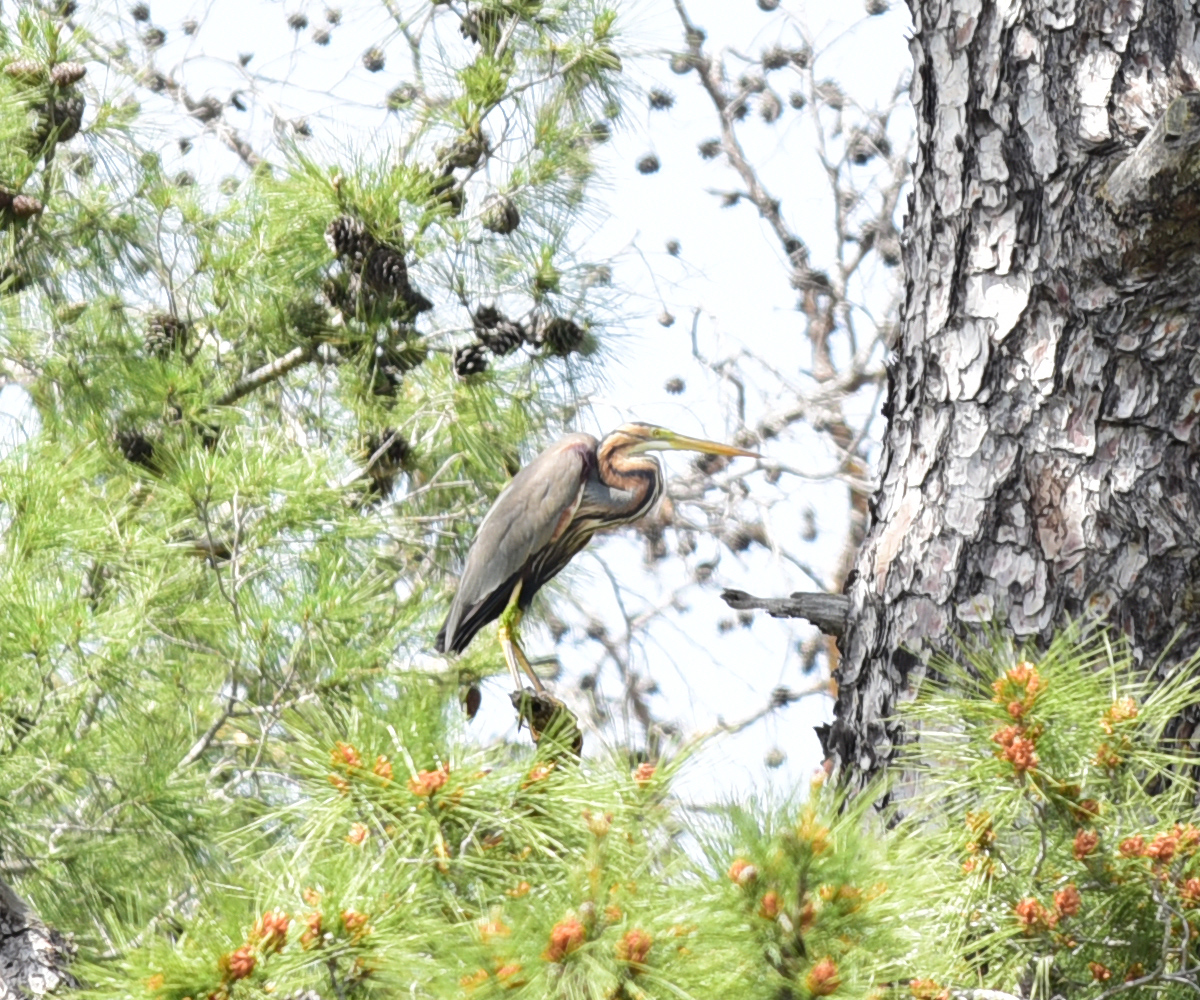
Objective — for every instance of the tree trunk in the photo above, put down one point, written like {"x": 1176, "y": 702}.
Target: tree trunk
{"x": 32, "y": 957}
{"x": 1041, "y": 458}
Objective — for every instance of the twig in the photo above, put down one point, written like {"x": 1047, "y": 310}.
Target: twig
{"x": 208, "y": 736}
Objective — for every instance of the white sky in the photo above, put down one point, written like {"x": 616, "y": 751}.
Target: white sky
{"x": 730, "y": 268}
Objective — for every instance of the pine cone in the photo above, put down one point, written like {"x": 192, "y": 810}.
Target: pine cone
{"x": 674, "y": 386}
{"x": 65, "y": 74}
{"x": 165, "y": 334}
{"x": 338, "y": 294}
{"x": 415, "y": 303}
{"x": 486, "y": 317}
{"x": 154, "y": 38}
{"x": 136, "y": 448}
{"x": 648, "y": 164}
{"x": 206, "y": 109}
{"x": 391, "y": 365}
{"x": 876, "y": 7}
{"x": 333, "y": 15}
{"x": 500, "y": 215}
{"x": 60, "y": 118}
{"x": 661, "y": 100}
{"x": 497, "y": 332}
{"x": 770, "y": 107}
{"x": 26, "y": 70}
{"x": 775, "y": 58}
{"x": 599, "y": 132}
{"x": 470, "y": 360}
{"x": 190, "y": 27}
{"x": 402, "y": 96}
{"x": 887, "y": 245}
{"x": 297, "y": 21}
{"x": 797, "y": 100}
{"x": 393, "y": 457}
{"x": 480, "y": 24}
{"x": 140, "y": 12}
{"x": 560, "y": 336}
{"x": 465, "y": 152}
{"x": 386, "y": 270}
{"x": 13, "y": 278}
{"x": 348, "y": 238}
{"x": 374, "y": 60}
{"x": 24, "y": 205}
{"x": 681, "y": 63}
{"x": 710, "y": 148}
{"x": 768, "y": 5}
{"x": 673, "y": 247}
{"x": 831, "y": 94}
{"x": 388, "y": 463}
{"x": 307, "y": 318}
{"x": 597, "y": 275}
{"x": 321, "y": 36}
{"x": 504, "y": 339}
{"x": 863, "y": 146}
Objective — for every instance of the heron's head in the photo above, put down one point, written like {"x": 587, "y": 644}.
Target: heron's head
{"x": 638, "y": 438}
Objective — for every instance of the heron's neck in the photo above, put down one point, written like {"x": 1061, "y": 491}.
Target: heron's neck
{"x": 621, "y": 470}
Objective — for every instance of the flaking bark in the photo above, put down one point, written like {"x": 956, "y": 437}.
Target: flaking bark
{"x": 1041, "y": 458}
{"x": 32, "y": 957}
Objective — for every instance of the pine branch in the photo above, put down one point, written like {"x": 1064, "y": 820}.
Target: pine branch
{"x": 826, "y": 611}
{"x": 269, "y": 372}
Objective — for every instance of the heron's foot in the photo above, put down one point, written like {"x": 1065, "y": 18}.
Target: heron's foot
{"x": 550, "y": 722}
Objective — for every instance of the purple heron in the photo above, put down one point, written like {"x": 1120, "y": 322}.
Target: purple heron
{"x": 545, "y": 516}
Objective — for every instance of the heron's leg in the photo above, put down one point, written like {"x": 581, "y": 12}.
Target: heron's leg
{"x": 510, "y": 642}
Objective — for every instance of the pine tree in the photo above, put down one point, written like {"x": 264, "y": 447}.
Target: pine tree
{"x": 229, "y": 768}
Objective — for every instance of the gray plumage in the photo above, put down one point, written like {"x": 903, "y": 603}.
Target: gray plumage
{"x": 521, "y": 523}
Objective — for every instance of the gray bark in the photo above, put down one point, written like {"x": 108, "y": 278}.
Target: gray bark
{"x": 32, "y": 957}
{"x": 1041, "y": 457}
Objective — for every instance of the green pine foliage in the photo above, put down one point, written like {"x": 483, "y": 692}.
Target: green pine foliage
{"x": 255, "y": 466}
{"x": 1059, "y": 794}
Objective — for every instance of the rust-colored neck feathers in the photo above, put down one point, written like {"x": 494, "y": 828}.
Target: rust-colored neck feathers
{"x": 622, "y": 470}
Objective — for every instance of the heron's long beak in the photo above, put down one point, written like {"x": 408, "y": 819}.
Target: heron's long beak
{"x": 670, "y": 441}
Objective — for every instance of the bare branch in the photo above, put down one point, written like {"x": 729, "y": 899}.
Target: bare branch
{"x": 269, "y": 372}
{"x": 804, "y": 276}
{"x": 826, "y": 611}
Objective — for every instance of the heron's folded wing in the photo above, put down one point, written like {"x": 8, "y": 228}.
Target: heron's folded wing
{"x": 522, "y": 522}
